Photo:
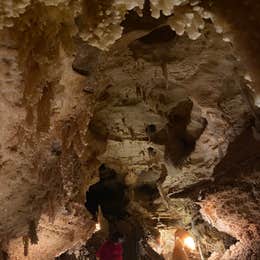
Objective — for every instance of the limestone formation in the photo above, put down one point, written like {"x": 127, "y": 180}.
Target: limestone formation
{"x": 164, "y": 93}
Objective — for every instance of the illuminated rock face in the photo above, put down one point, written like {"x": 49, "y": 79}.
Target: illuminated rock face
{"x": 162, "y": 106}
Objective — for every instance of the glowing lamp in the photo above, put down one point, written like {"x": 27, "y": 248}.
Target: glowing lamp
{"x": 189, "y": 242}
{"x": 97, "y": 227}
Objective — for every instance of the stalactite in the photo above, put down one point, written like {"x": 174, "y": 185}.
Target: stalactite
{"x": 25, "y": 245}
{"x": 165, "y": 74}
{"x": 51, "y": 208}
{"x": 32, "y": 233}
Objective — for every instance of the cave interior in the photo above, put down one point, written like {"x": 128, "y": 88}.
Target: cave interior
{"x": 140, "y": 117}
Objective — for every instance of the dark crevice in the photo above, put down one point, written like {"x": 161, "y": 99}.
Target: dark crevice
{"x": 159, "y": 35}
{"x": 134, "y": 22}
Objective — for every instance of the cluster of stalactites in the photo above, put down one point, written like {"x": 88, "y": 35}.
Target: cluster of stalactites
{"x": 184, "y": 16}
{"x": 103, "y": 27}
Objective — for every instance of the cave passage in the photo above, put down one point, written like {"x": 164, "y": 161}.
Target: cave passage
{"x": 110, "y": 194}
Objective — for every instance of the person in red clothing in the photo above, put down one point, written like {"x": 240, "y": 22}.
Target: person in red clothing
{"x": 112, "y": 249}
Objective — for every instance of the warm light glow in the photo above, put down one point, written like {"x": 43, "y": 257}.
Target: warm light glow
{"x": 257, "y": 100}
{"x": 189, "y": 242}
{"x": 156, "y": 246}
{"x": 97, "y": 228}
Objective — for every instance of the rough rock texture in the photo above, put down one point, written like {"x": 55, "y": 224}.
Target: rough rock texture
{"x": 40, "y": 169}
{"x": 240, "y": 222}
{"x": 54, "y": 238}
{"x": 166, "y": 105}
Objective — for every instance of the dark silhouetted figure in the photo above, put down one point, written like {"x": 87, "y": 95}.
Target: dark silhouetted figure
{"x": 108, "y": 193}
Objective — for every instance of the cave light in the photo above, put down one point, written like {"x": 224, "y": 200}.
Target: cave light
{"x": 189, "y": 242}
{"x": 97, "y": 227}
